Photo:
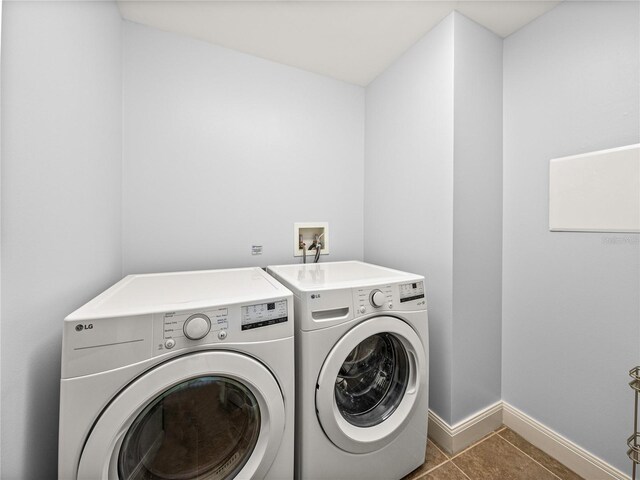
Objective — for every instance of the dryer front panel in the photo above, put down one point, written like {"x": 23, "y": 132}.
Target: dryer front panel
{"x": 214, "y": 415}
{"x": 370, "y": 383}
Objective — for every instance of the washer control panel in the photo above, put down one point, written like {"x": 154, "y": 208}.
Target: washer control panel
{"x": 381, "y": 298}
{"x": 373, "y": 299}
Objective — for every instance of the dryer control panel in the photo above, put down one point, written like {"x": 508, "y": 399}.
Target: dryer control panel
{"x": 182, "y": 329}
{"x": 264, "y": 314}
{"x": 246, "y": 322}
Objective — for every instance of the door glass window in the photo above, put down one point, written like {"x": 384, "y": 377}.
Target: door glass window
{"x": 372, "y": 380}
{"x": 206, "y": 427}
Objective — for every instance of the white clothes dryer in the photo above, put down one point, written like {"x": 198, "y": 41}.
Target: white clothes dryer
{"x": 361, "y": 370}
{"x": 180, "y": 376}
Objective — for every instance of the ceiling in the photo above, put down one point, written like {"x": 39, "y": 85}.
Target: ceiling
{"x": 353, "y": 41}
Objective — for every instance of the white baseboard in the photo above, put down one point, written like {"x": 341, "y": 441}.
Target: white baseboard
{"x": 566, "y": 452}
{"x": 440, "y": 431}
{"x": 462, "y": 434}
{"x": 456, "y": 438}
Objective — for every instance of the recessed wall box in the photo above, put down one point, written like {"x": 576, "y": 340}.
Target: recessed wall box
{"x": 307, "y": 232}
{"x": 596, "y": 192}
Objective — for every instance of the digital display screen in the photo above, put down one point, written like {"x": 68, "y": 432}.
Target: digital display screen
{"x": 411, "y": 291}
{"x": 264, "y": 314}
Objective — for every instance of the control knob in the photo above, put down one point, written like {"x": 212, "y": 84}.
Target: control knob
{"x": 197, "y": 326}
{"x": 377, "y": 298}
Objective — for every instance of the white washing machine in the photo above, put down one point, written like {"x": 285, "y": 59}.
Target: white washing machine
{"x": 180, "y": 376}
{"x": 361, "y": 370}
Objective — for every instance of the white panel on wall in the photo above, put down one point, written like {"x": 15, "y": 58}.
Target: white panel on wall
{"x": 596, "y": 191}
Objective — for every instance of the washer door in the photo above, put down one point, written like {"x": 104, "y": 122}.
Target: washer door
{"x": 370, "y": 383}
{"x": 213, "y": 415}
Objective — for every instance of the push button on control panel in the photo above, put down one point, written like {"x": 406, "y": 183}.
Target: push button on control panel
{"x": 169, "y": 343}
{"x": 222, "y": 334}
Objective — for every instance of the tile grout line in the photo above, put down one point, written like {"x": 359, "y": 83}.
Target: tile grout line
{"x": 461, "y": 471}
{"x": 447, "y": 459}
{"x": 530, "y": 457}
{"x": 473, "y": 445}
{"x": 423, "y": 475}
{"x": 433, "y": 444}
{"x": 440, "y": 450}
{"x": 432, "y": 469}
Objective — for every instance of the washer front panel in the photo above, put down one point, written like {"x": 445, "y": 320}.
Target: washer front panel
{"x": 101, "y": 457}
{"x": 345, "y": 432}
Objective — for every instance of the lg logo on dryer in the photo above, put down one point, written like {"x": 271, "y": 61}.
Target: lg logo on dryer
{"x": 80, "y": 327}
{"x": 315, "y": 295}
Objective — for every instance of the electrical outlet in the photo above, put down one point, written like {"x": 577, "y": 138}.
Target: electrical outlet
{"x": 306, "y": 232}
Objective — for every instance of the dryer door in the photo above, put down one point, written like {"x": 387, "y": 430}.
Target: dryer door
{"x": 213, "y": 415}
{"x": 370, "y": 384}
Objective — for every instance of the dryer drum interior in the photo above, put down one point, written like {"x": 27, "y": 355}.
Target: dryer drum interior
{"x": 203, "y": 428}
{"x": 372, "y": 380}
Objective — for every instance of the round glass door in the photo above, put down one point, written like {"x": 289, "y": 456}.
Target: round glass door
{"x": 205, "y": 427}
{"x": 207, "y": 415}
{"x": 372, "y": 380}
{"x": 370, "y": 384}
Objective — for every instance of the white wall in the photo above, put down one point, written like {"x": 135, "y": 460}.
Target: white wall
{"x": 61, "y": 145}
{"x": 571, "y": 301}
{"x": 477, "y": 219}
{"x": 433, "y": 201}
{"x": 223, "y": 150}
{"x": 408, "y": 222}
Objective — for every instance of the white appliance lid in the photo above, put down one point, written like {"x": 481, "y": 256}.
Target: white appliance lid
{"x": 314, "y": 276}
{"x": 164, "y": 292}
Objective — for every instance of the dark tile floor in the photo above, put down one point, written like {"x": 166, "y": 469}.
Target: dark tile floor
{"x": 502, "y": 455}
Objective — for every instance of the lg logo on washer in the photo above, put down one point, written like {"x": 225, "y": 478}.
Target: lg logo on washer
{"x": 81, "y": 327}
{"x": 315, "y": 295}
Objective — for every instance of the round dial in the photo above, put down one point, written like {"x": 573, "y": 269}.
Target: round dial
{"x": 377, "y": 298}
{"x": 197, "y": 326}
